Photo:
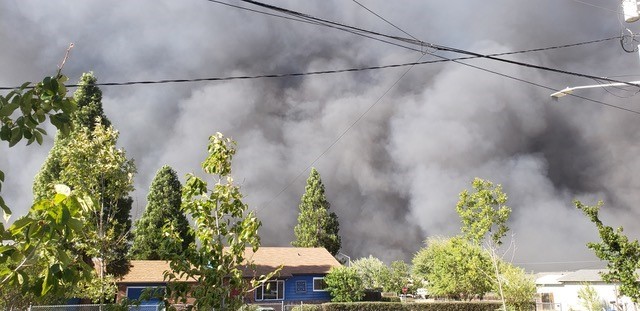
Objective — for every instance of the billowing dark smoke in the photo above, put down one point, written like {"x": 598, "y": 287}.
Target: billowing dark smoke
{"x": 393, "y": 179}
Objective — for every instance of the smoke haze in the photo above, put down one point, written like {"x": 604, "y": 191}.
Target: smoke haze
{"x": 394, "y": 178}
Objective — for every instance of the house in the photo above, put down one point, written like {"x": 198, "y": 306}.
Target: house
{"x": 301, "y": 279}
{"x": 558, "y": 291}
{"x": 142, "y": 274}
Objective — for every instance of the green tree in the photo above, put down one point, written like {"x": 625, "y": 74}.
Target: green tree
{"x": 397, "y": 277}
{"x": 483, "y": 212}
{"x": 454, "y": 267}
{"x": 163, "y": 209}
{"x": 88, "y": 160}
{"x": 372, "y": 272}
{"x": 344, "y": 284}
{"x": 317, "y": 227}
{"x": 94, "y": 165}
{"x": 33, "y": 261}
{"x": 222, "y": 228}
{"x": 589, "y": 298}
{"x": 621, "y": 254}
{"x": 32, "y": 264}
{"x": 518, "y": 287}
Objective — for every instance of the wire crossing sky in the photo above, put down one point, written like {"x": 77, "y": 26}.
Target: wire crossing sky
{"x": 288, "y": 84}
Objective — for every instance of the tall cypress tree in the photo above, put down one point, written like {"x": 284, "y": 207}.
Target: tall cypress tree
{"x": 163, "y": 209}
{"x": 88, "y": 98}
{"x": 317, "y": 226}
{"x": 115, "y": 208}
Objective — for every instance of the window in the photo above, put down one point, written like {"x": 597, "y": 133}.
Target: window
{"x": 301, "y": 286}
{"x": 270, "y": 290}
{"x": 319, "y": 285}
{"x": 151, "y": 294}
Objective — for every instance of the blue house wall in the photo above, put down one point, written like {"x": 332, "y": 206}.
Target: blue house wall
{"x": 293, "y": 291}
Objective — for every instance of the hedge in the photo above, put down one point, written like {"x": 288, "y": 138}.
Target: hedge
{"x": 430, "y": 306}
{"x": 307, "y": 308}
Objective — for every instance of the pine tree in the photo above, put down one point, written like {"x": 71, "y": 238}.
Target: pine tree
{"x": 163, "y": 209}
{"x": 317, "y": 227}
{"x": 115, "y": 205}
{"x": 88, "y": 98}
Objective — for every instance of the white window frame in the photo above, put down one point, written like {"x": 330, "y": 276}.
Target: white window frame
{"x": 314, "y": 284}
{"x": 261, "y": 289}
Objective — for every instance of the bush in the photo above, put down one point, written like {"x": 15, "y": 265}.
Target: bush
{"x": 307, "y": 308}
{"x": 433, "y": 306}
{"x": 390, "y": 299}
{"x": 344, "y": 284}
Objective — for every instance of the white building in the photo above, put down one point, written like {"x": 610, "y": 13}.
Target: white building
{"x": 558, "y": 291}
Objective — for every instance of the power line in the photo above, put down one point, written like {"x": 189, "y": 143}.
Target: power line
{"x": 422, "y": 44}
{"x": 268, "y": 204}
{"x": 313, "y": 23}
{"x": 598, "y": 7}
{"x": 509, "y": 76}
{"x": 338, "y": 138}
{"x": 384, "y": 19}
{"x": 321, "y": 72}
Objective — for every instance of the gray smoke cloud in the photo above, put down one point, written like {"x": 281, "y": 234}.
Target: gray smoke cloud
{"x": 393, "y": 179}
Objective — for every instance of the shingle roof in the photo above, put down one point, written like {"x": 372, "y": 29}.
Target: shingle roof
{"x": 294, "y": 260}
{"x": 145, "y": 271}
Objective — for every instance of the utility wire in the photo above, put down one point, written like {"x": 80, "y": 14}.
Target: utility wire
{"x": 310, "y": 21}
{"x": 384, "y": 19}
{"x": 475, "y": 55}
{"x": 597, "y": 6}
{"x": 335, "y": 141}
{"x": 321, "y": 72}
{"x": 512, "y": 77}
{"x": 268, "y": 204}
{"x": 425, "y": 44}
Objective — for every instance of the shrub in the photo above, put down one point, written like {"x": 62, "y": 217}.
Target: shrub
{"x": 344, "y": 284}
{"x": 307, "y": 308}
{"x": 433, "y": 306}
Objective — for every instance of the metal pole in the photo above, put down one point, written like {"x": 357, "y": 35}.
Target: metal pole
{"x": 569, "y": 90}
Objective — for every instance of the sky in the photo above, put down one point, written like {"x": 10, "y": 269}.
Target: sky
{"x": 394, "y": 147}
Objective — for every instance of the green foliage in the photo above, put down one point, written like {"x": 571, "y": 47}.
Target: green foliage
{"x": 397, "y": 277}
{"x": 222, "y": 228}
{"x": 317, "y": 227}
{"x": 430, "y": 306}
{"x": 621, "y": 254}
{"x": 483, "y": 212}
{"x": 589, "y": 298}
{"x": 344, "y": 284}
{"x": 88, "y": 161}
{"x": 36, "y": 240}
{"x": 88, "y": 97}
{"x": 163, "y": 210}
{"x": 455, "y": 268}
{"x": 307, "y": 308}
{"x": 97, "y": 289}
{"x": 33, "y": 265}
{"x": 518, "y": 287}
{"x": 46, "y": 99}
{"x": 92, "y": 164}
{"x": 372, "y": 271}
{"x": 390, "y": 299}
